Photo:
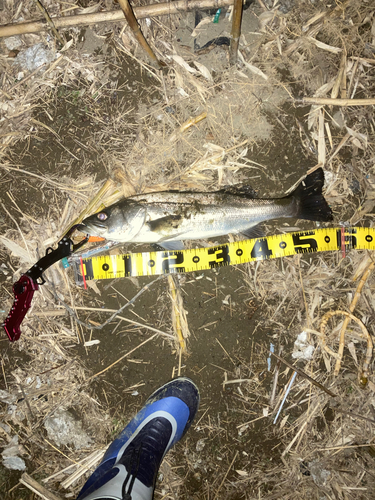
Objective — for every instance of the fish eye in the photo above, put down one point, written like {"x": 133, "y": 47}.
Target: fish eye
{"x": 102, "y": 216}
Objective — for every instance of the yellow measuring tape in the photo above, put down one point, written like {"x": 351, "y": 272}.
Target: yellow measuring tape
{"x": 239, "y": 252}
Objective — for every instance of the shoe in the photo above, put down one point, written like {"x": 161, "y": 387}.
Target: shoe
{"x": 130, "y": 466}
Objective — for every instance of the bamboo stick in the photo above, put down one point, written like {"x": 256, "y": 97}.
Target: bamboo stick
{"x": 322, "y": 101}
{"x": 37, "y": 488}
{"x": 236, "y": 30}
{"x": 134, "y": 26}
{"x": 154, "y": 10}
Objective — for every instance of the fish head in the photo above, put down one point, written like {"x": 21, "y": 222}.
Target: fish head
{"x": 119, "y": 222}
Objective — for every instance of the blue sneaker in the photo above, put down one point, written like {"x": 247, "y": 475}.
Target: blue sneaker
{"x": 130, "y": 466}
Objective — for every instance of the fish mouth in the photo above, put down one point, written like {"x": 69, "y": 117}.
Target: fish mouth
{"x": 90, "y": 228}
{"x": 82, "y": 228}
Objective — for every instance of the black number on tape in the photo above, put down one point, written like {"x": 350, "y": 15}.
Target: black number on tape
{"x": 221, "y": 256}
{"x": 261, "y": 250}
{"x": 127, "y": 265}
{"x": 172, "y": 261}
{"x": 88, "y": 269}
{"x": 303, "y": 239}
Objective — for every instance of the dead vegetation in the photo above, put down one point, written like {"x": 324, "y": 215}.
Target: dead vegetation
{"x": 96, "y": 110}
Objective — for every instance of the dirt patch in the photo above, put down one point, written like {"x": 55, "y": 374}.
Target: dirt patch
{"x": 99, "y": 111}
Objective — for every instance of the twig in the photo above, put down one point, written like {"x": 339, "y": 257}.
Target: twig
{"x": 323, "y": 101}
{"x": 37, "y": 488}
{"x": 122, "y": 357}
{"x": 134, "y": 26}
{"x": 147, "y": 327}
{"x": 354, "y": 415}
{"x": 236, "y": 30}
{"x": 186, "y": 125}
{"x": 294, "y": 439}
{"x": 116, "y": 313}
{"x": 131, "y": 321}
{"x": 49, "y": 21}
{"x": 303, "y": 293}
{"x": 226, "y": 474}
{"x": 262, "y": 5}
{"x": 304, "y": 375}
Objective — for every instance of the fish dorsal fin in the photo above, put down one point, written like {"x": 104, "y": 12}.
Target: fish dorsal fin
{"x": 243, "y": 190}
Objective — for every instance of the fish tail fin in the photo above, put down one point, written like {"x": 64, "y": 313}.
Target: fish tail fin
{"x": 310, "y": 200}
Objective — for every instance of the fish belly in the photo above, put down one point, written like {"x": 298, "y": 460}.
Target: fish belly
{"x": 206, "y": 222}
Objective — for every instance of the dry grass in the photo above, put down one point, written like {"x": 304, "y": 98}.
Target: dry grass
{"x": 84, "y": 118}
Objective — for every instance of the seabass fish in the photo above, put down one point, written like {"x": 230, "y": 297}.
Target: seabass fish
{"x": 168, "y": 217}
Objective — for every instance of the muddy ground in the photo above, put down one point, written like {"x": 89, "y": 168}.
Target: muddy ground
{"x": 228, "y": 317}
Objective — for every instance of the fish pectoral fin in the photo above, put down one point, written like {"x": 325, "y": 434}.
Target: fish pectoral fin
{"x": 254, "y": 232}
{"x": 165, "y": 224}
{"x": 169, "y": 245}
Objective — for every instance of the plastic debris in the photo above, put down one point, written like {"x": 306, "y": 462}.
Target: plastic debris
{"x": 64, "y": 429}
{"x": 217, "y": 15}
{"x": 13, "y": 42}
{"x": 11, "y": 460}
{"x": 319, "y": 475}
{"x": 6, "y": 397}
{"x": 272, "y": 349}
{"x": 302, "y": 348}
{"x": 33, "y": 57}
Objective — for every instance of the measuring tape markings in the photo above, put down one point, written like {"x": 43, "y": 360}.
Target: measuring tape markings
{"x": 239, "y": 252}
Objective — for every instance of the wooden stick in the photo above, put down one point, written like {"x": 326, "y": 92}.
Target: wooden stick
{"x": 49, "y": 21}
{"x": 236, "y": 30}
{"x": 154, "y": 10}
{"x": 322, "y": 101}
{"x": 304, "y": 375}
{"x": 37, "y": 488}
{"x": 134, "y": 26}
